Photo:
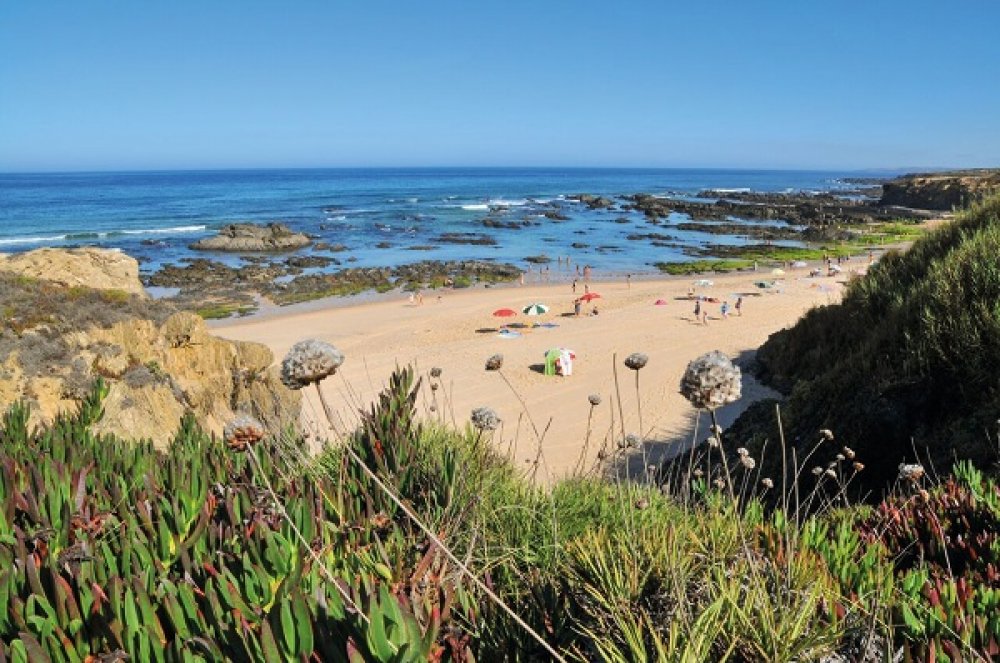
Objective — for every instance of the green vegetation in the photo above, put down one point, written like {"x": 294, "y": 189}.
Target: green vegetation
{"x": 702, "y": 266}
{"x": 727, "y": 258}
{"x": 254, "y": 551}
{"x": 907, "y": 363}
{"x": 224, "y": 310}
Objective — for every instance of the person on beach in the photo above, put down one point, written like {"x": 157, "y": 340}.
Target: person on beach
{"x": 522, "y": 278}
{"x": 413, "y": 298}
{"x": 586, "y": 272}
{"x": 725, "y": 310}
{"x": 628, "y": 281}
{"x": 586, "y": 288}
{"x": 697, "y": 309}
{"x": 420, "y": 298}
{"x": 739, "y": 306}
{"x": 594, "y": 312}
{"x": 574, "y": 286}
{"x": 577, "y": 305}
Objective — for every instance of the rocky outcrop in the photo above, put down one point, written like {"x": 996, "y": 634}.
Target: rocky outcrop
{"x": 940, "y": 191}
{"x": 158, "y": 364}
{"x": 99, "y": 269}
{"x": 238, "y": 237}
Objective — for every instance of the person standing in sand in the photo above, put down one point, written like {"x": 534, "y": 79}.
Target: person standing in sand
{"x": 739, "y": 306}
{"x": 576, "y": 307}
{"x": 574, "y": 286}
{"x": 725, "y": 310}
{"x": 628, "y": 281}
{"x": 697, "y": 309}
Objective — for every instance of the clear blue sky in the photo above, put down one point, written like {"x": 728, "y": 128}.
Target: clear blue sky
{"x": 102, "y": 84}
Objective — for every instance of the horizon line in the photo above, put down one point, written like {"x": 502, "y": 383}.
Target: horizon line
{"x": 210, "y": 169}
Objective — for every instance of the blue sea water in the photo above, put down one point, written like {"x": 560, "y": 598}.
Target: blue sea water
{"x": 155, "y": 216}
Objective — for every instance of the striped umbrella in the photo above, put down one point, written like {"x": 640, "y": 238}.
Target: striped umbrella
{"x": 535, "y": 309}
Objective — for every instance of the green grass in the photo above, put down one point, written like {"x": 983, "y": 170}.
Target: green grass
{"x": 907, "y": 362}
{"x": 702, "y": 266}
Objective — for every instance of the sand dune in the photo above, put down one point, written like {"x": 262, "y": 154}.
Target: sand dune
{"x": 453, "y": 332}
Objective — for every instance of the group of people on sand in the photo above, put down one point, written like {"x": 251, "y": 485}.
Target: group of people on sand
{"x": 701, "y": 309}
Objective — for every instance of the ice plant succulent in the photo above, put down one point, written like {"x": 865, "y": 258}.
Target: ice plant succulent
{"x": 242, "y": 432}
{"x": 711, "y": 381}
{"x": 485, "y": 418}
{"x": 636, "y": 361}
{"x": 495, "y": 362}
{"x": 309, "y": 362}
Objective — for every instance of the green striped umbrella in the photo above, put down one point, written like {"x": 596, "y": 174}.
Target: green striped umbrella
{"x": 535, "y": 309}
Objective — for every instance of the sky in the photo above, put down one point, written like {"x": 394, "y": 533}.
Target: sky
{"x": 120, "y": 84}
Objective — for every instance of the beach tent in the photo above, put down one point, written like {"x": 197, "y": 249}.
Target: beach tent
{"x": 703, "y": 283}
{"x": 559, "y": 361}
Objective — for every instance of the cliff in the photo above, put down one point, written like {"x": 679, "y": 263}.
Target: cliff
{"x": 58, "y": 336}
{"x": 940, "y": 191}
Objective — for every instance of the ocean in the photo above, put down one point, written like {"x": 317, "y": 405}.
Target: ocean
{"x": 383, "y": 216}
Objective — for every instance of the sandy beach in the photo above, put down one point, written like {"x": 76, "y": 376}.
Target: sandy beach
{"x": 457, "y": 332}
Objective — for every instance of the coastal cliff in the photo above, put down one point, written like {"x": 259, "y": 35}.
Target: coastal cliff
{"x": 69, "y": 317}
{"x": 940, "y": 191}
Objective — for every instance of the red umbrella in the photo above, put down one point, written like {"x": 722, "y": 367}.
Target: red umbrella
{"x": 590, "y": 296}
{"x": 504, "y": 312}
{"x": 660, "y": 302}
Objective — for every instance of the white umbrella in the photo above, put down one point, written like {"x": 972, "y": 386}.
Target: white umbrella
{"x": 778, "y": 272}
{"x": 535, "y": 309}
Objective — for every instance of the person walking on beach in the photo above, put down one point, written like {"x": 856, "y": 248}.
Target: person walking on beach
{"x": 586, "y": 288}
{"x": 574, "y": 286}
{"x": 576, "y": 307}
{"x": 697, "y": 309}
{"x": 628, "y": 281}
{"x": 420, "y": 298}
{"x": 739, "y": 306}
{"x": 725, "y": 310}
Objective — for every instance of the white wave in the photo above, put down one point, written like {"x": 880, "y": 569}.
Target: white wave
{"x": 744, "y": 189}
{"x": 476, "y": 208}
{"x": 500, "y": 202}
{"x": 164, "y": 231}
{"x": 32, "y": 240}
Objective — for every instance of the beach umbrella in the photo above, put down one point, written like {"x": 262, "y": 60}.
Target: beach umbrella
{"x": 835, "y": 268}
{"x": 703, "y": 283}
{"x": 660, "y": 302}
{"x": 799, "y": 263}
{"x": 504, "y": 312}
{"x": 590, "y": 296}
{"x": 535, "y": 309}
{"x": 778, "y": 271}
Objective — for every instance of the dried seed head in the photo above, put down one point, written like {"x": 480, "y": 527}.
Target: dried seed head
{"x": 485, "y": 418}
{"x": 849, "y": 452}
{"x": 912, "y": 472}
{"x": 748, "y": 462}
{"x": 242, "y": 432}
{"x": 436, "y": 372}
{"x": 858, "y": 466}
{"x": 831, "y": 473}
{"x": 711, "y": 381}
{"x": 594, "y": 399}
{"x": 636, "y": 361}
{"x": 495, "y": 362}
{"x": 719, "y": 483}
{"x": 699, "y": 473}
{"x": 817, "y": 471}
{"x": 632, "y": 440}
{"x": 712, "y": 442}
{"x": 826, "y": 434}
{"x": 742, "y": 451}
{"x": 841, "y": 458}
{"x": 767, "y": 483}
{"x": 642, "y": 503}
{"x": 308, "y": 362}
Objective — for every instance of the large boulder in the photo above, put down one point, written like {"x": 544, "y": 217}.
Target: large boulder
{"x": 239, "y": 237}
{"x": 100, "y": 269}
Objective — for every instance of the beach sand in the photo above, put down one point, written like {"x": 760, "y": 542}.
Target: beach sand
{"x": 457, "y": 333}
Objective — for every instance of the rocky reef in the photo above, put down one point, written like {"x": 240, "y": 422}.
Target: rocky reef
{"x": 238, "y": 237}
{"x": 940, "y": 191}
{"x": 158, "y": 363}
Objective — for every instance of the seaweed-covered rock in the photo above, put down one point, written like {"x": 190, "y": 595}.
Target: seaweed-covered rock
{"x": 237, "y": 237}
